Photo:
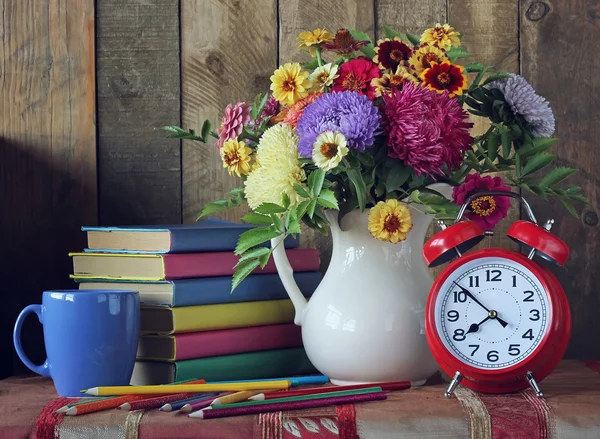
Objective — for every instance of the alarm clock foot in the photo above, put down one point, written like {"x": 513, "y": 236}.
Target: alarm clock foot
{"x": 534, "y": 385}
{"x": 455, "y": 381}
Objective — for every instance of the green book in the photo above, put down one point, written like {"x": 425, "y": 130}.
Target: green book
{"x": 246, "y": 366}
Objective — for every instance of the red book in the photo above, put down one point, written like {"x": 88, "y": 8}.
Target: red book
{"x": 219, "y": 342}
{"x": 153, "y": 267}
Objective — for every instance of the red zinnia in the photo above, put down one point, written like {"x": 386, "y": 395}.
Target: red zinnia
{"x": 391, "y": 53}
{"x": 356, "y": 75}
{"x": 445, "y": 77}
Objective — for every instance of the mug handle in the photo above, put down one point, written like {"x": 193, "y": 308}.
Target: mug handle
{"x": 44, "y": 369}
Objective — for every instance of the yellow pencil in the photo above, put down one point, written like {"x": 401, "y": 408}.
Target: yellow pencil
{"x": 166, "y": 389}
{"x": 235, "y": 397}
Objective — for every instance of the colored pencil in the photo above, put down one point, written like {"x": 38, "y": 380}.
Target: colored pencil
{"x": 84, "y": 400}
{"x": 156, "y": 402}
{"x": 235, "y": 397}
{"x": 199, "y": 404}
{"x": 210, "y": 412}
{"x": 303, "y": 397}
{"x": 112, "y": 402}
{"x": 176, "y": 405}
{"x": 166, "y": 389}
{"x": 295, "y": 381}
{"x": 395, "y": 385}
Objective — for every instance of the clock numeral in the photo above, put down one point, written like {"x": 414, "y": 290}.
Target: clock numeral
{"x": 459, "y": 335}
{"x": 514, "y": 278}
{"x": 493, "y": 276}
{"x": 460, "y": 296}
{"x": 514, "y": 350}
{"x": 536, "y": 314}
{"x": 493, "y": 356}
{"x": 453, "y": 316}
{"x": 529, "y": 297}
{"x": 476, "y": 346}
{"x": 528, "y": 335}
{"x": 473, "y": 281}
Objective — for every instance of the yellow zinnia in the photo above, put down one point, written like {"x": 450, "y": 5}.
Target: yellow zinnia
{"x": 289, "y": 83}
{"x": 445, "y": 36}
{"x": 390, "y": 81}
{"x": 390, "y": 221}
{"x": 329, "y": 149}
{"x": 236, "y": 157}
{"x": 423, "y": 57}
{"x": 279, "y": 169}
{"x": 310, "y": 40}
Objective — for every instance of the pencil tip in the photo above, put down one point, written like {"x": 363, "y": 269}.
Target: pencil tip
{"x": 186, "y": 408}
{"x": 72, "y": 411}
{"x": 125, "y": 406}
{"x": 166, "y": 408}
{"x": 61, "y": 410}
{"x": 198, "y": 414}
{"x": 259, "y": 397}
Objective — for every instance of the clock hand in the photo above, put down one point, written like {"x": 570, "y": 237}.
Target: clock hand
{"x": 475, "y": 326}
{"x": 492, "y": 314}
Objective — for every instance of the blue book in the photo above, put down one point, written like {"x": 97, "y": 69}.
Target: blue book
{"x": 209, "y": 235}
{"x": 209, "y": 290}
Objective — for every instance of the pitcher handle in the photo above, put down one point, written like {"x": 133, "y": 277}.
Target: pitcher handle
{"x": 44, "y": 369}
{"x": 286, "y": 274}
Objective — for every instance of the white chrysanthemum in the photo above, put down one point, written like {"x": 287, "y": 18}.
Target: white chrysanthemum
{"x": 329, "y": 149}
{"x": 524, "y": 101}
{"x": 279, "y": 168}
{"x": 323, "y": 76}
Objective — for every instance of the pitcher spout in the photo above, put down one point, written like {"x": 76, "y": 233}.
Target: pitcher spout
{"x": 286, "y": 274}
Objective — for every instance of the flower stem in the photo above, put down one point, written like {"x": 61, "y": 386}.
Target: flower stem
{"x": 319, "y": 59}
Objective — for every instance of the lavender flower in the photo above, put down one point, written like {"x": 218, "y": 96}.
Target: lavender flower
{"x": 524, "y": 101}
{"x": 347, "y": 112}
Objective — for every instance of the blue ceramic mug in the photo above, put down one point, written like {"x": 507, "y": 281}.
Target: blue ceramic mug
{"x": 91, "y": 338}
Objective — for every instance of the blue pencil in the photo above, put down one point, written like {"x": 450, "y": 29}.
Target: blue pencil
{"x": 296, "y": 381}
{"x": 176, "y": 405}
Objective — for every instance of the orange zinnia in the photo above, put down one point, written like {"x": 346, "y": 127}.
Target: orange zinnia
{"x": 445, "y": 77}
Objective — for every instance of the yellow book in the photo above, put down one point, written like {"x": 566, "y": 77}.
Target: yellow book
{"x": 164, "y": 320}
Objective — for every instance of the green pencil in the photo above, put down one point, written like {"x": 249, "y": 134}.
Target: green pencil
{"x": 303, "y": 397}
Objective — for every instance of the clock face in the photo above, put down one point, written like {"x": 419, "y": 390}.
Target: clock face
{"x": 492, "y": 313}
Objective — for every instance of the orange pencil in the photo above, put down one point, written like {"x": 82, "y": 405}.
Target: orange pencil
{"x": 113, "y": 403}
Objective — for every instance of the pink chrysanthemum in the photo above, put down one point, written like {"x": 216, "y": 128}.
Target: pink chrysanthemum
{"x": 271, "y": 108}
{"x": 296, "y": 110}
{"x": 486, "y": 211}
{"x": 425, "y": 129}
{"x": 233, "y": 122}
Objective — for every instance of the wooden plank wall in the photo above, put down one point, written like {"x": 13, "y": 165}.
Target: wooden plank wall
{"x": 79, "y": 116}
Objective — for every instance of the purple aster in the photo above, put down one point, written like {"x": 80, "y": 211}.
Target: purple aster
{"x": 524, "y": 101}
{"x": 351, "y": 114}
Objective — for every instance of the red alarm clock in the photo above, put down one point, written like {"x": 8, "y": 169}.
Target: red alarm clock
{"x": 496, "y": 321}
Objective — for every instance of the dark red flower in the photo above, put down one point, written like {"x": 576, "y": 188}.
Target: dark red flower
{"x": 485, "y": 211}
{"x": 391, "y": 53}
{"x": 445, "y": 77}
{"x": 343, "y": 43}
{"x": 356, "y": 75}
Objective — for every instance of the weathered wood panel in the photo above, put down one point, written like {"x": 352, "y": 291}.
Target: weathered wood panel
{"x": 47, "y": 154}
{"x": 409, "y": 15}
{"x": 138, "y": 92}
{"x": 490, "y": 31}
{"x": 557, "y": 38}
{"x": 228, "y": 53}
{"x": 296, "y": 16}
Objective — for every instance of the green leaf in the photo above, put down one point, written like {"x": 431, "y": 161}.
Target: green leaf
{"x": 391, "y": 33}
{"x": 311, "y": 65}
{"x": 315, "y": 181}
{"x": 257, "y": 218}
{"x": 303, "y": 207}
{"x": 397, "y": 177}
{"x": 494, "y": 77}
{"x": 328, "y": 200}
{"x": 264, "y": 259}
{"x": 506, "y": 144}
{"x": 478, "y": 78}
{"x": 253, "y": 253}
{"x": 285, "y": 200}
{"x": 365, "y": 158}
{"x": 569, "y": 207}
{"x": 311, "y": 207}
{"x": 179, "y": 133}
{"x": 537, "y": 162}
{"x": 205, "y": 130}
{"x": 359, "y": 185}
{"x": 536, "y": 146}
{"x": 215, "y": 206}
{"x": 475, "y": 67}
{"x": 291, "y": 221}
{"x": 415, "y": 40}
{"x": 254, "y": 237}
{"x": 301, "y": 191}
{"x": 242, "y": 271}
{"x": 455, "y": 53}
{"x": 277, "y": 222}
{"x": 269, "y": 208}
{"x": 518, "y": 165}
{"x": 368, "y": 50}
{"x": 492, "y": 146}
{"x": 555, "y": 176}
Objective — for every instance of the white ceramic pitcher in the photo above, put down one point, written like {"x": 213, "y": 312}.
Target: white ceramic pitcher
{"x": 366, "y": 320}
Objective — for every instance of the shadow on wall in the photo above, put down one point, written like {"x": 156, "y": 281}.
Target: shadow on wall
{"x": 43, "y": 209}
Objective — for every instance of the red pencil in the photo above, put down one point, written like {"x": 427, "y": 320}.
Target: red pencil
{"x": 211, "y": 412}
{"x": 395, "y": 385}
{"x": 157, "y": 401}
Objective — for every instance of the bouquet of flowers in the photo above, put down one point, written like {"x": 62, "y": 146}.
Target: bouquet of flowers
{"x": 371, "y": 129}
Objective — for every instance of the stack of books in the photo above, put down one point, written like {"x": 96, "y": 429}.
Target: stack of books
{"x": 192, "y": 325}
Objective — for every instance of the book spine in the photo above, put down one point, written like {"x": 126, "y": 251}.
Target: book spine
{"x": 246, "y": 366}
{"x": 234, "y": 341}
{"x": 214, "y": 240}
{"x": 214, "y": 290}
{"x": 190, "y": 265}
